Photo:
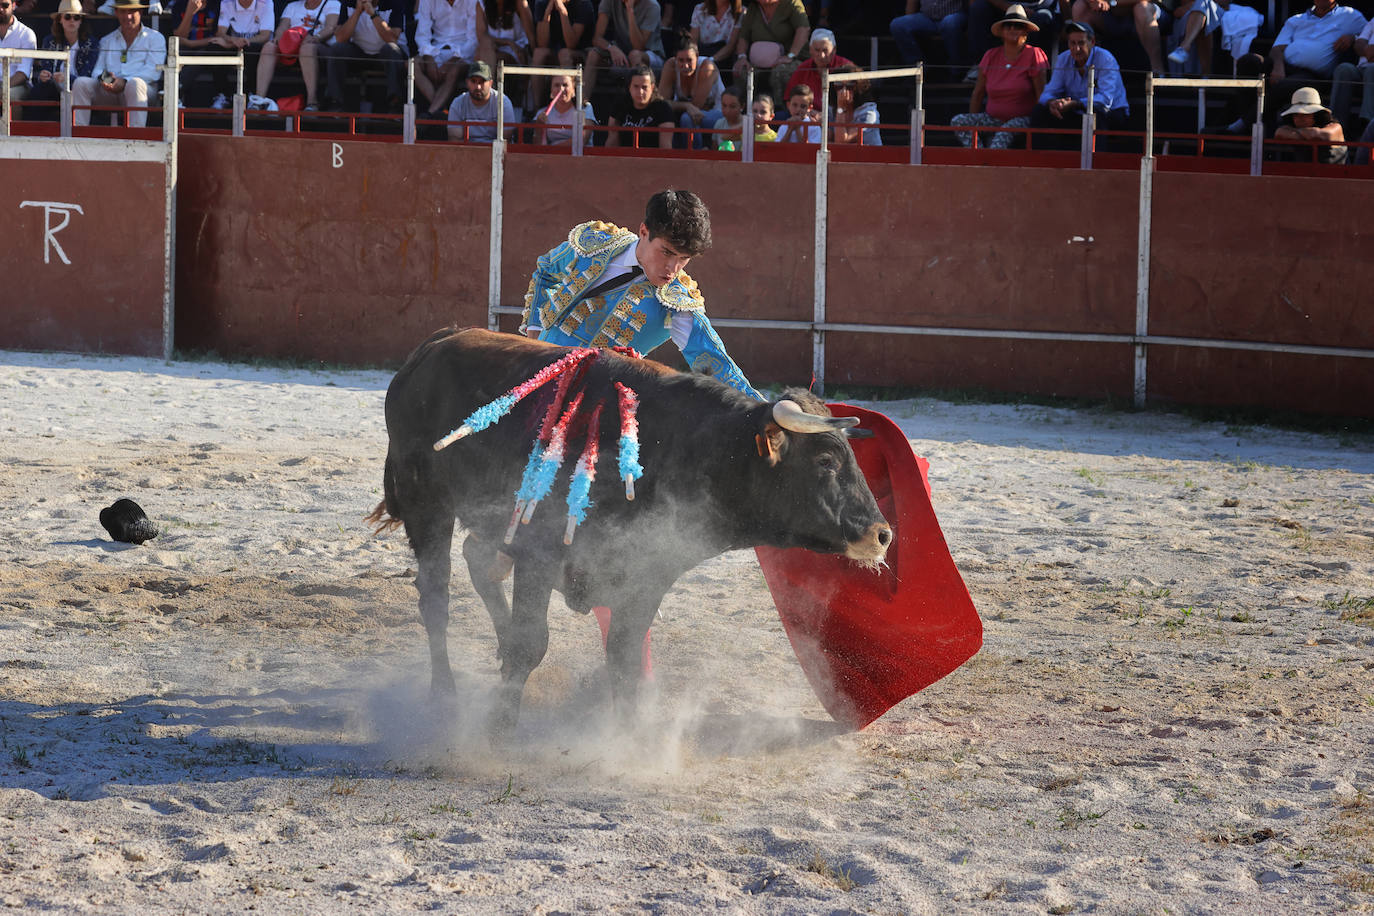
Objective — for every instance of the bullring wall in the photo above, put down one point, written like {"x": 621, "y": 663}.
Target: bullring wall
{"x": 352, "y": 252}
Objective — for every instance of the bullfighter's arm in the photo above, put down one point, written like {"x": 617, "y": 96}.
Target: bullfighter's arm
{"x": 549, "y": 272}
{"x": 705, "y": 352}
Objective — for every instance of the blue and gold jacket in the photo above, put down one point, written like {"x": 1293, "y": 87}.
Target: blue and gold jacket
{"x": 637, "y": 315}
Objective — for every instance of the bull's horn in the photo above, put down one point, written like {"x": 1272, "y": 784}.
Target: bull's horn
{"x": 790, "y": 416}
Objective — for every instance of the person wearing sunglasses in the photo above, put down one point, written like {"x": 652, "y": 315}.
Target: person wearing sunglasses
{"x": 128, "y": 68}
{"x": 69, "y": 30}
{"x": 14, "y": 34}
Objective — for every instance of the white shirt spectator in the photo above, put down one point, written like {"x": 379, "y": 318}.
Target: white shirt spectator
{"x": 443, "y": 29}
{"x": 365, "y": 32}
{"x": 710, "y": 29}
{"x": 1366, "y": 35}
{"x": 20, "y": 37}
{"x": 245, "y": 22}
{"x": 1308, "y": 39}
{"x": 140, "y": 58}
{"x": 298, "y": 14}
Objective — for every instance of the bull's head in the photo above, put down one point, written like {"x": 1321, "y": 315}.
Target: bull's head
{"x": 831, "y": 509}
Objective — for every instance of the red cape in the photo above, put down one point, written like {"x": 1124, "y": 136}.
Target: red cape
{"x": 868, "y": 640}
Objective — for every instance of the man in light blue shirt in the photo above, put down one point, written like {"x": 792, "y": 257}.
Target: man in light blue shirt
{"x": 1310, "y": 44}
{"x": 1065, "y": 97}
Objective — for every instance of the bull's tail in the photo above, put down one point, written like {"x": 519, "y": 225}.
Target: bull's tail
{"x": 386, "y": 517}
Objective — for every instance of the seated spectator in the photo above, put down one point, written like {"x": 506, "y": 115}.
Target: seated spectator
{"x": 14, "y": 34}
{"x": 245, "y": 25}
{"x": 1200, "y": 18}
{"x": 763, "y": 118}
{"x": 69, "y": 30}
{"x": 695, "y": 88}
{"x": 448, "y": 35}
{"x": 983, "y": 13}
{"x": 562, "y": 34}
{"x": 1310, "y": 44}
{"x": 510, "y": 27}
{"x": 195, "y": 23}
{"x": 1065, "y": 97}
{"x": 1010, "y": 80}
{"x": 1306, "y": 119}
{"x": 1346, "y": 75}
{"x": 715, "y": 29}
{"x": 823, "y": 58}
{"x": 368, "y": 31}
{"x": 479, "y": 104}
{"x": 929, "y": 17}
{"x": 1122, "y": 19}
{"x": 319, "y": 21}
{"x": 772, "y": 34}
{"x": 634, "y": 39}
{"x": 641, "y": 107}
{"x": 1362, "y": 153}
{"x": 128, "y": 66}
{"x": 856, "y": 113}
{"x": 731, "y": 120}
{"x": 560, "y": 117}
{"x": 803, "y": 122}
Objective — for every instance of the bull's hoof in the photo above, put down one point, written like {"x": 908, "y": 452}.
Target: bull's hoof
{"x": 442, "y": 689}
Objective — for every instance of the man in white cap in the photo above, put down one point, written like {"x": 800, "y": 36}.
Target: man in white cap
{"x": 14, "y": 34}
{"x": 127, "y": 70}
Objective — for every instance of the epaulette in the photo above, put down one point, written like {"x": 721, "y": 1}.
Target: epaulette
{"x": 594, "y": 237}
{"x": 681, "y": 294}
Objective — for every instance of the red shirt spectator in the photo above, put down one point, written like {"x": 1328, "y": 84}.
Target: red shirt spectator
{"x": 823, "y": 57}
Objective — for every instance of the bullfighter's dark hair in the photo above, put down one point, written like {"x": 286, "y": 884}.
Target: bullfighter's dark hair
{"x": 681, "y": 218}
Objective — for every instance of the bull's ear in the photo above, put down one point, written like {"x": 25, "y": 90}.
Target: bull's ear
{"x": 770, "y": 443}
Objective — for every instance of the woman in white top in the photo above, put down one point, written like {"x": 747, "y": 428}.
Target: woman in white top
{"x": 715, "y": 28}
{"x": 695, "y": 86}
{"x": 319, "y": 21}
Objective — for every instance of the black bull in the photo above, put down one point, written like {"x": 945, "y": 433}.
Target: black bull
{"x": 720, "y": 473}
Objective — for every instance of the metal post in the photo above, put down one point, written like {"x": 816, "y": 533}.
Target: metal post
{"x": 1085, "y": 142}
{"x": 171, "y": 91}
{"x": 918, "y": 118}
{"x": 579, "y": 138}
{"x": 825, "y": 111}
{"x": 1142, "y": 275}
{"x": 1201, "y": 108}
{"x": 1149, "y": 115}
{"x": 1257, "y": 134}
{"x": 498, "y": 182}
{"x": 65, "y": 98}
{"x": 747, "y": 130}
{"x": 818, "y": 315}
{"x": 5, "y": 101}
{"x": 408, "y": 111}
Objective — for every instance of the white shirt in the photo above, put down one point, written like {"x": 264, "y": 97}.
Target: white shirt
{"x": 20, "y": 37}
{"x": 313, "y": 20}
{"x": 142, "y": 56}
{"x": 365, "y": 31}
{"x": 245, "y": 23}
{"x": 439, "y": 24}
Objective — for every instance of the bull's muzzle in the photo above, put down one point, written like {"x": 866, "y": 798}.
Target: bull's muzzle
{"x": 872, "y": 546}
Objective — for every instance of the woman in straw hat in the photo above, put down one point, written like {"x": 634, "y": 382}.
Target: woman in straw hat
{"x": 69, "y": 30}
{"x": 1010, "y": 80}
{"x": 1307, "y": 120}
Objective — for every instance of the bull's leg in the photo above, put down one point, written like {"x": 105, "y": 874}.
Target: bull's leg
{"x": 431, "y": 537}
{"x": 487, "y": 571}
{"x": 527, "y": 639}
{"x": 626, "y": 654}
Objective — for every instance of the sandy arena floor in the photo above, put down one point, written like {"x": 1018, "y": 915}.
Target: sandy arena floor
{"x": 1173, "y": 710}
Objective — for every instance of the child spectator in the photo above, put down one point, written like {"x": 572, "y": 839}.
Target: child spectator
{"x": 763, "y": 117}
{"x": 731, "y": 119}
{"x": 641, "y": 107}
{"x": 561, "y": 115}
{"x": 802, "y": 124}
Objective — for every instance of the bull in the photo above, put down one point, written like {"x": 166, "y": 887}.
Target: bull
{"x": 722, "y": 472}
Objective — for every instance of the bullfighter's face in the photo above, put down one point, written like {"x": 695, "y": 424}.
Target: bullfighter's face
{"x": 659, "y": 259}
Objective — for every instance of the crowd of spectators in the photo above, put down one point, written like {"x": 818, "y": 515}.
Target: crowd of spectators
{"x": 659, "y": 73}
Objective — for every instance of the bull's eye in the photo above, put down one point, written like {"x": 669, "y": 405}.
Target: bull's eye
{"x": 828, "y": 463}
